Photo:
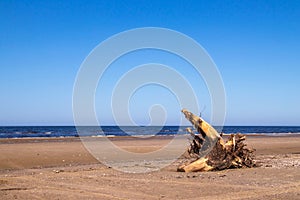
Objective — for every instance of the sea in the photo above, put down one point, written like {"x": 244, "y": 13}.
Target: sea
{"x": 72, "y": 131}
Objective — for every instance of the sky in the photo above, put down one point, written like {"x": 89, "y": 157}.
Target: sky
{"x": 254, "y": 44}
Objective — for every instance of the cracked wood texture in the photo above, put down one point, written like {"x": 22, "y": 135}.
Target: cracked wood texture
{"x": 209, "y": 151}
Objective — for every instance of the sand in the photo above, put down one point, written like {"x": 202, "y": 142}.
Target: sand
{"x": 61, "y": 168}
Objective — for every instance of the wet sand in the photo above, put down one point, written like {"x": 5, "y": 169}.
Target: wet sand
{"x": 61, "y": 168}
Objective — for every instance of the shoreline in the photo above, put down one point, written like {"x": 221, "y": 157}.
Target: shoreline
{"x": 133, "y": 137}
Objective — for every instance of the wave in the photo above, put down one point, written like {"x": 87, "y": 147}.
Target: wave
{"x": 112, "y": 131}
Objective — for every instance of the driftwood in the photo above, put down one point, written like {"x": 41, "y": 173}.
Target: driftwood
{"x": 208, "y": 151}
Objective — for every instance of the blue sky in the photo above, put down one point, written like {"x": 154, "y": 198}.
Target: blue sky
{"x": 255, "y": 45}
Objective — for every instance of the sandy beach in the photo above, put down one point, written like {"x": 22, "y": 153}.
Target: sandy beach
{"x": 61, "y": 168}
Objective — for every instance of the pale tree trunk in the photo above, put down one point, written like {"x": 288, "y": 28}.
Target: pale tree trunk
{"x": 208, "y": 150}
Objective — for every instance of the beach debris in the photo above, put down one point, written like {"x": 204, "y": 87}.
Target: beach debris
{"x": 208, "y": 150}
{"x": 58, "y": 171}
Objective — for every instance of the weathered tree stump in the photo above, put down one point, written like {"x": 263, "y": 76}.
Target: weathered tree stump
{"x": 208, "y": 151}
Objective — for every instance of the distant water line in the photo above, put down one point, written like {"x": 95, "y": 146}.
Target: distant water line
{"x": 71, "y": 131}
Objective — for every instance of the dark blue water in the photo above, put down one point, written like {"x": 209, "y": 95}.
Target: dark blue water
{"x": 71, "y": 131}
